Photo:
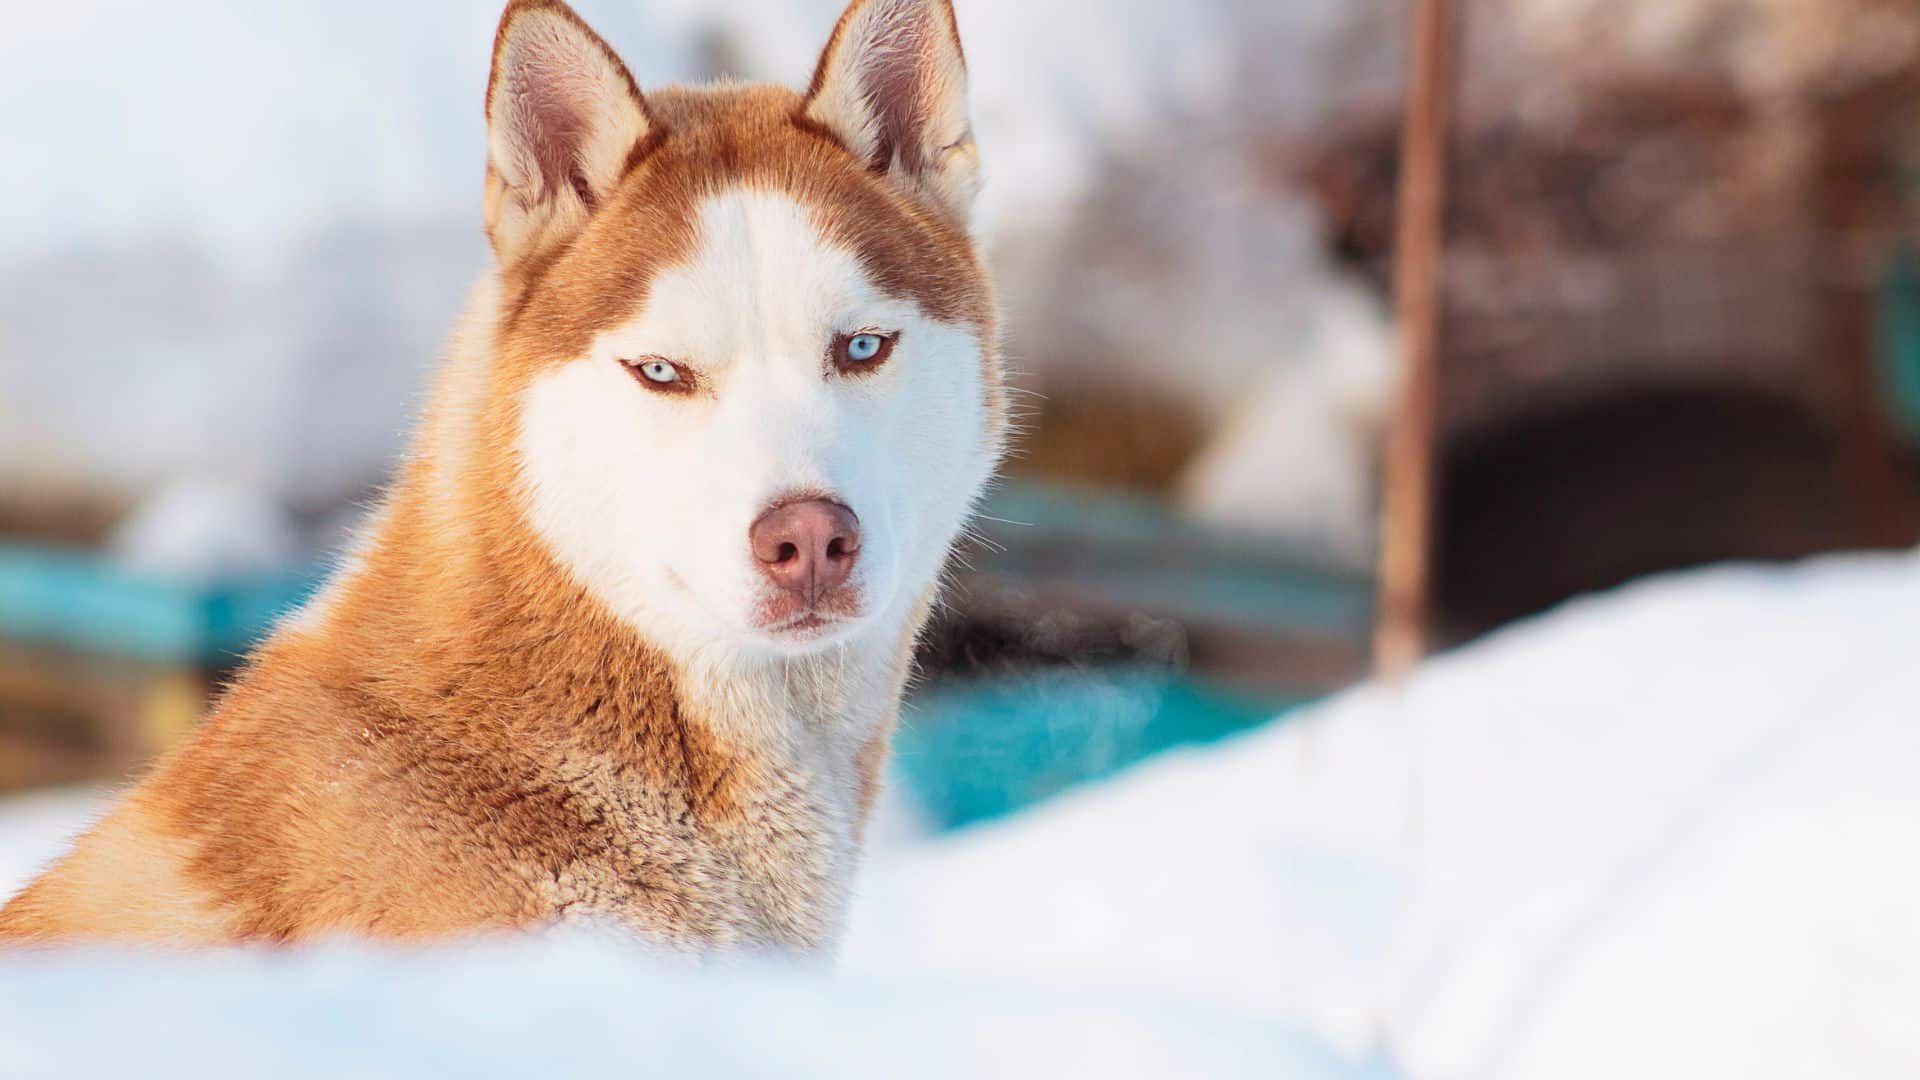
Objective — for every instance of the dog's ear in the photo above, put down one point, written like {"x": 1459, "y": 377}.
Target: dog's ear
{"x": 892, "y": 87}
{"x": 563, "y": 116}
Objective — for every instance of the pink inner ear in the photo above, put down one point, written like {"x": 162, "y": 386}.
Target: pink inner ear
{"x": 896, "y": 67}
{"x": 553, "y": 89}
{"x": 897, "y": 92}
{"x": 548, "y": 128}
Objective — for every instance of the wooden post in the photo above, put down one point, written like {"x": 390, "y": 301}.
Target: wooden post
{"x": 1856, "y": 212}
{"x": 1406, "y": 530}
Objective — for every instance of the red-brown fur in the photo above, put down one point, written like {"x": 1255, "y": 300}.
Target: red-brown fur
{"x": 468, "y": 739}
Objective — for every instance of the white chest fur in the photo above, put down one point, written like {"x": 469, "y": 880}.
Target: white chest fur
{"x": 760, "y": 851}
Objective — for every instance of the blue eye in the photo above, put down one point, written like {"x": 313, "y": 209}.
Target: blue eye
{"x": 862, "y": 352}
{"x": 661, "y": 374}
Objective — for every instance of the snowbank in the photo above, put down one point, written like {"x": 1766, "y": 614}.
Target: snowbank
{"x": 586, "y": 1004}
{"x": 1667, "y": 831}
{"x": 1663, "y": 832}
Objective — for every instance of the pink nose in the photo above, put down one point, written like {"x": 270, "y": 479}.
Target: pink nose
{"x": 806, "y": 547}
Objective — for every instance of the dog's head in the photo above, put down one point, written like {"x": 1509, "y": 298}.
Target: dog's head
{"x": 746, "y": 368}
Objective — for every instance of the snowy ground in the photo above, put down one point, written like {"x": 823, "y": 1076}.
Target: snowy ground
{"x": 1664, "y": 832}
{"x": 592, "y": 1006}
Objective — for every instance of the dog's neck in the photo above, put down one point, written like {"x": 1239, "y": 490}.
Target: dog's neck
{"x": 768, "y": 766}
{"x": 464, "y": 621}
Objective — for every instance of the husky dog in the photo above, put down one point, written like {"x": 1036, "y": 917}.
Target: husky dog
{"x": 628, "y": 637}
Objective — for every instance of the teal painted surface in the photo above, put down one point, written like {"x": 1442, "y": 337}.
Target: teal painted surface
{"x": 1900, "y": 341}
{"x": 85, "y": 602}
{"x": 970, "y": 751}
{"x": 1137, "y": 552}
{"x": 974, "y": 751}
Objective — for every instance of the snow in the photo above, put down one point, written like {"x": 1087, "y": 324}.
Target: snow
{"x": 1666, "y": 831}
{"x": 200, "y": 530}
{"x": 1663, "y": 832}
{"x": 1323, "y": 408}
{"x": 34, "y": 828}
{"x": 583, "y": 1003}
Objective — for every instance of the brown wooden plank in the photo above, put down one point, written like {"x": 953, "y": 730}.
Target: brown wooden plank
{"x": 1406, "y": 534}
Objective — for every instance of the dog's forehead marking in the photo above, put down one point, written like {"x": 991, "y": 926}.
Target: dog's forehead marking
{"x": 762, "y": 275}
{"x": 761, "y": 249}
{"x": 745, "y": 138}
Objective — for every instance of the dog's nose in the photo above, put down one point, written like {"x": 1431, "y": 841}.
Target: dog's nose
{"x": 807, "y": 546}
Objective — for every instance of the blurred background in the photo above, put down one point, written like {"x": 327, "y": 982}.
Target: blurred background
{"x": 1680, "y": 326}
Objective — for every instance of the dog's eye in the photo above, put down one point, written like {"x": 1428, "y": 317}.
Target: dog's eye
{"x": 659, "y": 373}
{"x": 863, "y": 351}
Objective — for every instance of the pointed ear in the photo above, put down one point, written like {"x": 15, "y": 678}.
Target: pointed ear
{"x": 563, "y": 115}
{"x": 892, "y": 87}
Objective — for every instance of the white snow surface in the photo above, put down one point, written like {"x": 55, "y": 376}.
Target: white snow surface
{"x": 1663, "y": 832}
{"x": 201, "y": 530}
{"x": 592, "y": 1004}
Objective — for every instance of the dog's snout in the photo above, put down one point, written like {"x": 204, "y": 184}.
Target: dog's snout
{"x": 807, "y": 546}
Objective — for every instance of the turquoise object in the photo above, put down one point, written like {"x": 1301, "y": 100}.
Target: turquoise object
{"x": 975, "y": 750}
{"x": 88, "y": 603}
{"x": 969, "y": 749}
{"x": 1136, "y": 553}
{"x": 1900, "y": 341}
